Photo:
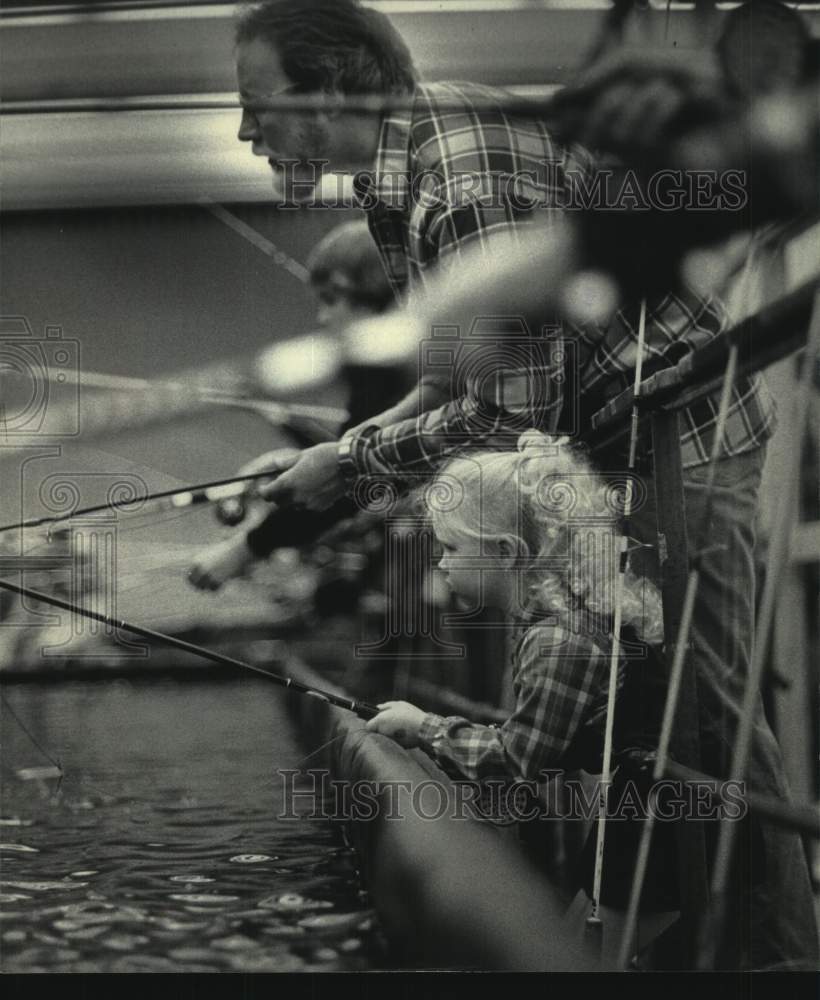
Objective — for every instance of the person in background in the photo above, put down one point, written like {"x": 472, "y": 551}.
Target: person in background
{"x": 350, "y": 284}
{"x": 766, "y": 47}
{"x": 347, "y": 275}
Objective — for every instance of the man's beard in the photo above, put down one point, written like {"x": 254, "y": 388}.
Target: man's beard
{"x": 299, "y": 181}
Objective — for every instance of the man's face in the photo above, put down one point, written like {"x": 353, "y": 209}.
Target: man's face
{"x": 277, "y": 135}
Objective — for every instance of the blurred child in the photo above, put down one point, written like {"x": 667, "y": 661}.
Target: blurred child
{"x": 347, "y": 275}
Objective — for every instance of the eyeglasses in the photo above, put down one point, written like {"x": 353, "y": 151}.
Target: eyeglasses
{"x": 258, "y": 106}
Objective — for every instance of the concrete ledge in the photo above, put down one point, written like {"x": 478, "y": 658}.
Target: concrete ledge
{"x": 451, "y": 893}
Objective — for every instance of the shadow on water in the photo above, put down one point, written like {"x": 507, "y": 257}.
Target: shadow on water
{"x": 162, "y": 850}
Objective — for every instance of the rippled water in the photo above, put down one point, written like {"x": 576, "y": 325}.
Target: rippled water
{"x": 161, "y": 850}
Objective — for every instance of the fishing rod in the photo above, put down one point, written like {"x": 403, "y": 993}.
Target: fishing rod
{"x": 181, "y": 496}
{"x": 188, "y": 390}
{"x": 529, "y": 100}
{"x": 361, "y": 708}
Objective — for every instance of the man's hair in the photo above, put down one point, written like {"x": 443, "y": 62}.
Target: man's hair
{"x": 332, "y": 45}
{"x": 349, "y": 250}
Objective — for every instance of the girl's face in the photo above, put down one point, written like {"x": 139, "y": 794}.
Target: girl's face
{"x": 481, "y": 579}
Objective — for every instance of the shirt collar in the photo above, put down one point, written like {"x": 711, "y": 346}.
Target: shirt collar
{"x": 388, "y": 183}
{"x": 593, "y": 622}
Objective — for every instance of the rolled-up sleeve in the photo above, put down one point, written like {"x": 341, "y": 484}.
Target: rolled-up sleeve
{"x": 560, "y": 682}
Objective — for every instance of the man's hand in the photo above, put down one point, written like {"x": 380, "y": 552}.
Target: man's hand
{"x": 314, "y": 481}
{"x": 400, "y": 721}
{"x": 220, "y": 563}
{"x": 273, "y": 461}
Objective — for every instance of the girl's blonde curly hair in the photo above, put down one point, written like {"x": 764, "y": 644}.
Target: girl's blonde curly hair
{"x": 560, "y": 517}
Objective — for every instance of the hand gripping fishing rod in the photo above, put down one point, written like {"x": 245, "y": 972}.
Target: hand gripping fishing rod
{"x": 361, "y": 708}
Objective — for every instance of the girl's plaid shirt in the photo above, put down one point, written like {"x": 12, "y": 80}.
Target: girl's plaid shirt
{"x": 560, "y": 679}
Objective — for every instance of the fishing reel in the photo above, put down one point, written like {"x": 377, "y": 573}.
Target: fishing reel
{"x": 231, "y": 507}
{"x": 232, "y": 510}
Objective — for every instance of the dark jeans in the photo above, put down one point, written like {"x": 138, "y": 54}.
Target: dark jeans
{"x": 771, "y": 919}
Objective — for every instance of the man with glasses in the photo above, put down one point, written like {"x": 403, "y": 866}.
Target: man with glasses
{"x": 324, "y": 51}
{"x": 437, "y": 173}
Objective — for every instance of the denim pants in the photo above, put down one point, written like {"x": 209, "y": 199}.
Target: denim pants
{"x": 770, "y": 919}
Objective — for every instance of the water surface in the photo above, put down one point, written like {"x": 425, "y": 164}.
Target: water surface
{"x": 161, "y": 849}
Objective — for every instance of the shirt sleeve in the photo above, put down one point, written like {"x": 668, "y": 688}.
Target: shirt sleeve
{"x": 560, "y": 683}
{"x": 494, "y": 409}
{"x": 504, "y": 389}
{"x": 413, "y": 447}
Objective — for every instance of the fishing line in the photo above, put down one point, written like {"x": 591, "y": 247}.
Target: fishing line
{"x": 52, "y": 760}
{"x": 615, "y": 650}
{"x": 324, "y": 746}
{"x": 167, "y": 518}
{"x": 362, "y": 736}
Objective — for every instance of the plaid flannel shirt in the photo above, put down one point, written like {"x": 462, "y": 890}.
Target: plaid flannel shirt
{"x": 676, "y": 324}
{"x": 560, "y": 680}
{"x": 444, "y": 179}
{"x": 451, "y": 171}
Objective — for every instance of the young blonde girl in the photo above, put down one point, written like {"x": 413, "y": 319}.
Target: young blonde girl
{"x": 533, "y": 533}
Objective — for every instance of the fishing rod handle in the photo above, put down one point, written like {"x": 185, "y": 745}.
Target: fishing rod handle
{"x": 232, "y": 510}
{"x": 361, "y": 708}
{"x": 365, "y": 710}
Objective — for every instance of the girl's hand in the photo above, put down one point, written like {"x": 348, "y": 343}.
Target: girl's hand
{"x": 400, "y": 721}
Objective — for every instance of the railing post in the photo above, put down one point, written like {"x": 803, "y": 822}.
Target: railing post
{"x": 685, "y": 746}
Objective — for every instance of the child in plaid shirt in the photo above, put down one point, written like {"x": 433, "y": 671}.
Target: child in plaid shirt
{"x": 532, "y": 533}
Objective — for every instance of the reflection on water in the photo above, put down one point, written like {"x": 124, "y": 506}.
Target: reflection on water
{"x": 161, "y": 850}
